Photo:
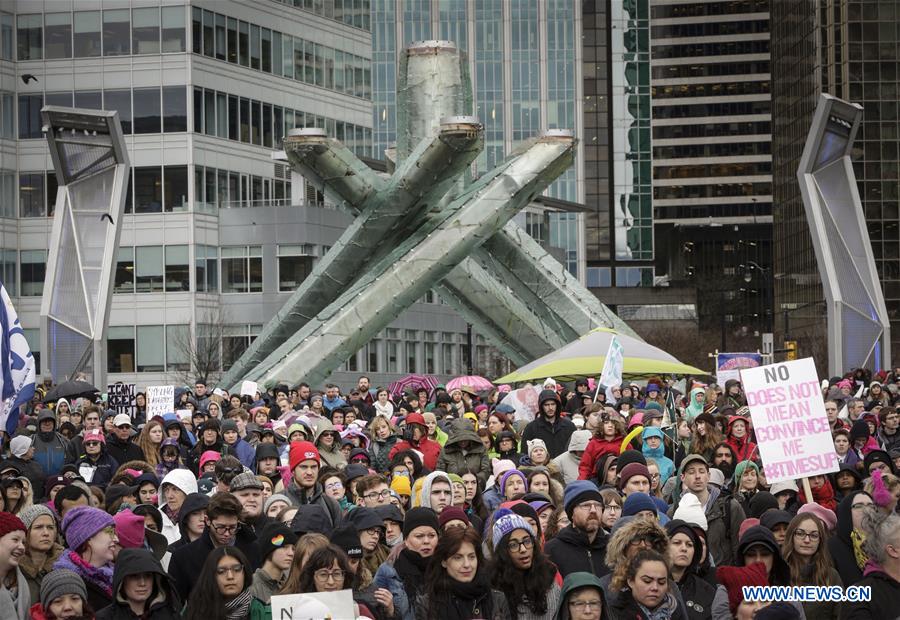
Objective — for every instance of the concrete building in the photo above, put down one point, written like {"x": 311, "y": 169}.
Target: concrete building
{"x": 849, "y": 50}
{"x": 215, "y": 232}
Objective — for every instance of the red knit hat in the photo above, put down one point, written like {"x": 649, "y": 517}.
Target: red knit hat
{"x": 10, "y": 523}
{"x": 303, "y": 451}
{"x": 736, "y": 577}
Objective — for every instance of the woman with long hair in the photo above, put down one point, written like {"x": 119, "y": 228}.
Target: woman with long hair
{"x": 474, "y": 506}
{"x": 384, "y": 436}
{"x": 746, "y": 483}
{"x": 457, "y": 584}
{"x": 540, "y": 480}
{"x": 807, "y": 557}
{"x": 705, "y": 436}
{"x": 383, "y": 405}
{"x": 520, "y": 570}
{"x": 648, "y": 590}
{"x": 307, "y": 545}
{"x": 222, "y": 589}
{"x": 607, "y": 439}
{"x": 150, "y": 440}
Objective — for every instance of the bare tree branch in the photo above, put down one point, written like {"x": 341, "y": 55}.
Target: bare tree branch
{"x": 202, "y": 350}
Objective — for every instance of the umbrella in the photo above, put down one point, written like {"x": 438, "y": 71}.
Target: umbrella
{"x": 413, "y": 382}
{"x": 473, "y": 381}
{"x": 71, "y": 389}
{"x": 585, "y": 357}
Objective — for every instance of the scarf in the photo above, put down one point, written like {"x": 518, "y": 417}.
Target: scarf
{"x": 100, "y": 577}
{"x": 238, "y": 608}
{"x": 858, "y": 538}
{"x": 664, "y": 611}
{"x": 471, "y": 599}
{"x": 411, "y": 567}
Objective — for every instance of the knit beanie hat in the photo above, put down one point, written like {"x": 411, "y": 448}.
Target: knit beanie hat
{"x": 631, "y": 456}
{"x": 10, "y": 523}
{"x": 760, "y": 503}
{"x": 94, "y": 435}
{"x": 347, "y": 538}
{"x": 740, "y": 468}
{"x": 636, "y": 502}
{"x": 499, "y": 466}
{"x": 691, "y": 511}
{"x": 418, "y": 517}
{"x": 579, "y": 491}
{"x": 129, "y": 529}
{"x": 734, "y": 578}
{"x": 535, "y": 443}
{"x": 401, "y": 485}
{"x": 81, "y": 523}
{"x": 452, "y": 513}
{"x": 509, "y": 474}
{"x": 276, "y": 497}
{"x": 631, "y": 470}
{"x": 60, "y": 582}
{"x": 303, "y": 451}
{"x": 505, "y": 523}
{"x": 29, "y": 515}
{"x": 275, "y": 536}
{"x": 746, "y": 524}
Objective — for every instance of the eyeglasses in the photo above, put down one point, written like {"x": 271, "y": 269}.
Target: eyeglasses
{"x": 379, "y": 494}
{"x": 515, "y": 545}
{"x": 861, "y": 506}
{"x": 91, "y": 444}
{"x": 587, "y": 605}
{"x": 812, "y": 536}
{"x": 110, "y": 531}
{"x": 333, "y": 486}
{"x": 612, "y": 508}
{"x": 323, "y": 574}
{"x": 237, "y": 569}
{"x": 224, "y": 529}
{"x": 589, "y": 506}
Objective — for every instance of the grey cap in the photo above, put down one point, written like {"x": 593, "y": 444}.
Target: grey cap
{"x": 276, "y": 497}
{"x": 60, "y": 582}
{"x": 716, "y": 477}
{"x": 245, "y": 481}
{"x": 29, "y": 515}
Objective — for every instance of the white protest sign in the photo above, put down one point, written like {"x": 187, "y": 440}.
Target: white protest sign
{"x": 524, "y": 401}
{"x": 314, "y": 606}
{"x": 249, "y": 388}
{"x": 160, "y": 400}
{"x": 788, "y": 412}
{"x": 612, "y": 369}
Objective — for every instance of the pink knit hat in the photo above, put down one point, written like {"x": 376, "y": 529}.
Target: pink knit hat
{"x": 828, "y": 517}
{"x": 129, "y": 529}
{"x": 207, "y": 456}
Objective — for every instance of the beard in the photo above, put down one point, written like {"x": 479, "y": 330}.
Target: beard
{"x": 726, "y": 468}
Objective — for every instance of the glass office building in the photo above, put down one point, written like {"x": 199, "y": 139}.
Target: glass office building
{"x": 847, "y": 49}
{"x": 525, "y": 80}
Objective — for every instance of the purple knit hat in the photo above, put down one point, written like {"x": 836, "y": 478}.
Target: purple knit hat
{"x": 506, "y": 476}
{"x": 82, "y": 522}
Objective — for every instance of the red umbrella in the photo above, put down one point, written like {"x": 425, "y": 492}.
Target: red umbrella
{"x": 413, "y": 382}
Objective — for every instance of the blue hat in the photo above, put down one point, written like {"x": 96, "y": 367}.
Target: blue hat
{"x": 652, "y": 431}
{"x": 505, "y": 523}
{"x": 579, "y": 491}
{"x": 637, "y": 502}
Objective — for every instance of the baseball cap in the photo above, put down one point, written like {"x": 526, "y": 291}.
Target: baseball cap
{"x": 123, "y": 419}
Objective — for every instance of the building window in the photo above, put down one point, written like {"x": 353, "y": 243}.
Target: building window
{"x": 30, "y": 116}
{"x": 244, "y": 43}
{"x": 209, "y": 41}
{"x": 149, "y": 269}
{"x": 233, "y": 118}
{"x": 31, "y": 195}
{"x": 8, "y": 271}
{"x": 33, "y": 338}
{"x": 151, "y": 348}
{"x": 87, "y": 34}
{"x": 256, "y": 132}
{"x": 120, "y": 101}
{"x": 222, "y": 115}
{"x": 266, "y": 50}
{"x": 372, "y": 356}
{"x": 29, "y": 36}
{"x": 89, "y": 99}
{"x": 232, "y": 40}
{"x": 124, "y": 279}
{"x": 148, "y": 189}
{"x": 52, "y": 190}
{"x": 178, "y": 347}
{"x": 221, "y": 39}
{"x": 58, "y": 30}
{"x": 206, "y": 268}
{"x": 116, "y": 32}
{"x": 175, "y": 194}
{"x": 242, "y": 269}
{"x": 147, "y": 110}
{"x": 197, "y": 30}
{"x": 254, "y": 47}
{"x": 7, "y": 36}
{"x": 178, "y": 271}
{"x": 412, "y": 351}
{"x": 33, "y": 272}
{"x": 174, "y": 108}
{"x": 145, "y": 30}
{"x": 235, "y": 340}
{"x": 209, "y": 112}
{"x": 173, "y": 37}
{"x": 245, "y": 120}
{"x": 120, "y": 349}
{"x": 294, "y": 265}
{"x": 8, "y": 119}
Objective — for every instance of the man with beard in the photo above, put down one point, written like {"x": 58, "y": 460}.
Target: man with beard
{"x": 723, "y": 460}
{"x": 249, "y": 491}
{"x": 549, "y": 426}
{"x": 581, "y": 546}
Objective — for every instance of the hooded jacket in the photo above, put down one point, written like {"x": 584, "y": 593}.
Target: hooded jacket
{"x": 665, "y": 464}
{"x": 596, "y": 448}
{"x": 163, "y": 603}
{"x": 694, "y": 409}
{"x": 300, "y": 497}
{"x": 430, "y": 449}
{"x": 743, "y": 448}
{"x": 883, "y": 602}
{"x": 573, "y": 552}
{"x": 576, "y": 581}
{"x": 52, "y": 450}
{"x": 192, "y": 503}
{"x": 840, "y": 546}
{"x": 332, "y": 457}
{"x": 184, "y": 480}
{"x": 567, "y": 462}
{"x": 187, "y": 562}
{"x": 555, "y": 434}
{"x": 242, "y": 450}
{"x": 427, "y": 483}
{"x": 455, "y": 460}
{"x": 702, "y": 599}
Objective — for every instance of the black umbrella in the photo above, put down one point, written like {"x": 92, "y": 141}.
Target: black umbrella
{"x": 71, "y": 389}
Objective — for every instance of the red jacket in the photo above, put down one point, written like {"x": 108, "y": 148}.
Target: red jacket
{"x": 744, "y": 449}
{"x": 823, "y": 496}
{"x": 596, "y": 448}
{"x": 429, "y": 448}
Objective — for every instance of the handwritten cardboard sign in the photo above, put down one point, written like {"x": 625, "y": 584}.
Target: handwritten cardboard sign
{"x": 160, "y": 400}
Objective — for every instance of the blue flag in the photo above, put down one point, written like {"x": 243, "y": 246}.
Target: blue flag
{"x": 17, "y": 368}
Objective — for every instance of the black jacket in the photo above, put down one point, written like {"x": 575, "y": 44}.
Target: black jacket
{"x": 164, "y": 603}
{"x": 187, "y": 562}
{"x": 31, "y": 470}
{"x": 300, "y": 496}
{"x": 555, "y": 435}
{"x": 123, "y": 451}
{"x": 571, "y": 551}
{"x": 840, "y": 545}
{"x": 883, "y": 603}
{"x": 626, "y": 608}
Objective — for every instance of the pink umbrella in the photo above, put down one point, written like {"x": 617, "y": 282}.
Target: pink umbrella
{"x": 473, "y": 381}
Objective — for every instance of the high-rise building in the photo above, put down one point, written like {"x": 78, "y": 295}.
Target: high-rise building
{"x": 525, "y": 80}
{"x": 216, "y": 234}
{"x": 847, "y": 49}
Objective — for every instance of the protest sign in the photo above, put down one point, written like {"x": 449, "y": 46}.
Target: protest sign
{"x": 249, "y": 388}
{"x": 160, "y": 400}
{"x": 789, "y": 419}
{"x": 612, "y": 369}
{"x": 524, "y": 401}
{"x": 729, "y": 365}
{"x": 314, "y": 606}
{"x": 120, "y": 397}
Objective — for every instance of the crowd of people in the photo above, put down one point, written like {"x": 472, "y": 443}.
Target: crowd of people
{"x": 444, "y": 504}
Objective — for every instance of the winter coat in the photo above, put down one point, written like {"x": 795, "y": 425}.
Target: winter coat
{"x": 31, "y": 470}
{"x": 455, "y": 460}
{"x": 840, "y": 546}
{"x": 97, "y": 472}
{"x": 572, "y": 552}
{"x": 888, "y": 442}
{"x": 123, "y": 451}
{"x": 665, "y": 464}
{"x": 577, "y": 581}
{"x": 626, "y": 608}
{"x": 51, "y": 452}
{"x": 299, "y": 497}
{"x": 555, "y": 435}
{"x": 883, "y": 602}
{"x": 164, "y": 605}
{"x": 34, "y": 573}
{"x": 379, "y": 451}
{"x": 243, "y": 451}
{"x": 389, "y": 578}
{"x": 187, "y": 562}
{"x": 499, "y": 606}
{"x": 333, "y": 457}
{"x": 596, "y": 448}
{"x": 185, "y": 481}
{"x": 430, "y": 449}
{"x": 263, "y": 586}
{"x": 15, "y": 609}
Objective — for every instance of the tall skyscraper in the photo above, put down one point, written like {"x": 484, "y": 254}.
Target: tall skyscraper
{"x": 847, "y": 49}
{"x": 525, "y": 79}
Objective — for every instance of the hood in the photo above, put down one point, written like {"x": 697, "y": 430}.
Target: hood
{"x": 655, "y": 453}
{"x": 266, "y": 450}
{"x": 730, "y": 384}
{"x": 169, "y": 441}
{"x": 61, "y": 401}
{"x": 355, "y": 431}
{"x": 192, "y": 503}
{"x": 425, "y": 494}
{"x": 677, "y": 526}
{"x": 759, "y": 535}
{"x": 844, "y": 517}
{"x": 180, "y": 478}
{"x": 579, "y": 440}
{"x": 135, "y": 561}
{"x": 573, "y": 582}
{"x": 604, "y": 463}
{"x": 635, "y": 528}
{"x": 322, "y": 425}
{"x": 461, "y": 430}
{"x": 544, "y": 397}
